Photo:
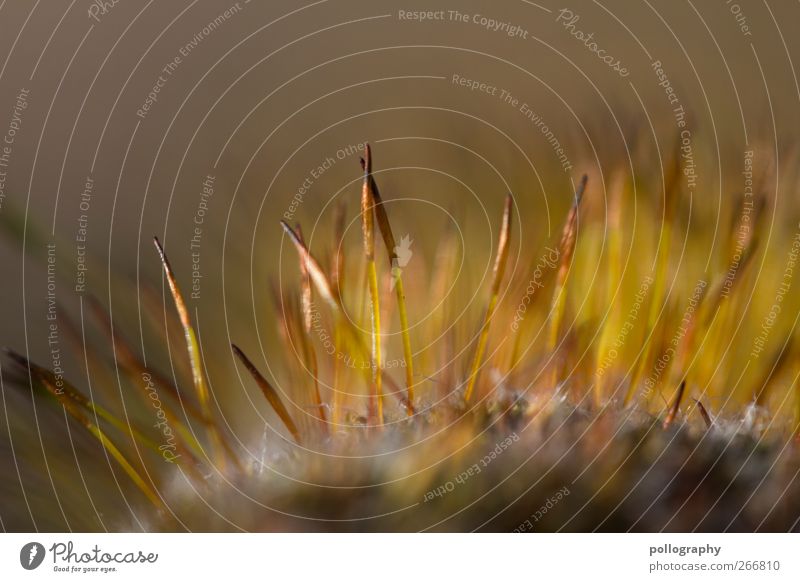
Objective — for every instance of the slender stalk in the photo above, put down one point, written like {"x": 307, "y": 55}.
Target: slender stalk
{"x": 123, "y": 462}
{"x": 444, "y": 273}
{"x": 193, "y": 347}
{"x": 567, "y": 248}
{"x": 269, "y": 393}
{"x": 64, "y": 390}
{"x": 394, "y": 260}
{"x": 76, "y": 404}
{"x": 308, "y": 346}
{"x": 185, "y": 442}
{"x": 338, "y": 274}
{"x": 125, "y": 355}
{"x": 497, "y": 276}
{"x": 314, "y": 270}
{"x": 671, "y": 197}
{"x": 677, "y": 367}
{"x": 704, "y": 413}
{"x": 350, "y": 333}
{"x": 613, "y": 281}
{"x": 368, "y": 231}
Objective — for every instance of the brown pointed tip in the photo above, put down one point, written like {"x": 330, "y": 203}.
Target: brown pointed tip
{"x": 290, "y": 231}
{"x": 314, "y": 270}
{"x": 367, "y": 158}
{"x": 581, "y": 189}
{"x": 295, "y": 237}
{"x": 160, "y": 249}
{"x": 704, "y": 413}
{"x": 673, "y": 412}
{"x": 18, "y": 358}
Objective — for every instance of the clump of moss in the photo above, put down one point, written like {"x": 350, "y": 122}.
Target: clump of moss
{"x": 553, "y": 413}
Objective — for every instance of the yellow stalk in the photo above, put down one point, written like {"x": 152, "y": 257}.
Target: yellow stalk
{"x": 659, "y": 277}
{"x": 519, "y": 334}
{"x": 497, "y": 276}
{"x": 73, "y": 401}
{"x": 193, "y": 347}
{"x": 136, "y": 368}
{"x": 444, "y": 272}
{"x": 720, "y": 334}
{"x": 336, "y": 403}
{"x": 338, "y": 274}
{"x": 350, "y": 333}
{"x": 368, "y": 231}
{"x": 407, "y": 354}
{"x": 391, "y": 249}
{"x": 123, "y": 462}
{"x": 567, "y": 248}
{"x": 67, "y": 392}
{"x": 613, "y": 281}
{"x": 308, "y": 346}
{"x": 377, "y": 361}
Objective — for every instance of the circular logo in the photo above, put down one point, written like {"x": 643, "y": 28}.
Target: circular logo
{"x": 31, "y": 555}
